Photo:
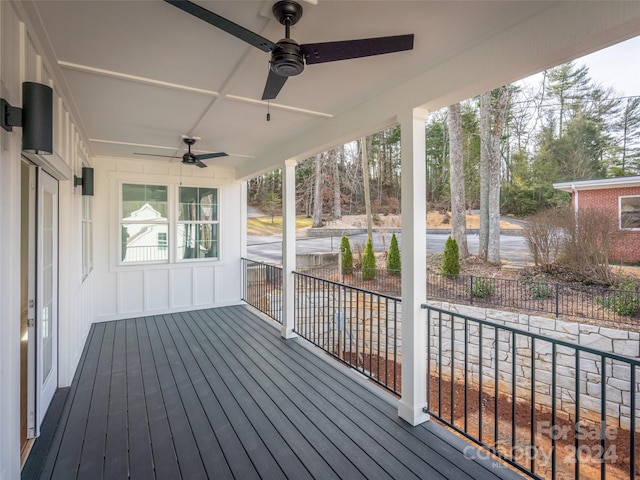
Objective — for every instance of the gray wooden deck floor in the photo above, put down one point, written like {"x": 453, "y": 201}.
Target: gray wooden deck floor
{"x": 218, "y": 394}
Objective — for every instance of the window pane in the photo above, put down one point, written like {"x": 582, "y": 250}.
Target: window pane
{"x": 198, "y": 204}
{"x": 144, "y": 202}
{"x": 143, "y": 242}
{"x": 198, "y": 240}
{"x": 630, "y": 212}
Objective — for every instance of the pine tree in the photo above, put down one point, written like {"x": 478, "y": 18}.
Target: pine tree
{"x": 368, "y": 262}
{"x": 347, "y": 256}
{"x": 393, "y": 257}
{"x": 450, "y": 258}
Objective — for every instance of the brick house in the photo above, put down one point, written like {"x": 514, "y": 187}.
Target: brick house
{"x": 618, "y": 196}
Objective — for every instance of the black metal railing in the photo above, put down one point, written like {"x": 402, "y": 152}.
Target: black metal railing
{"x": 383, "y": 281}
{"x": 617, "y": 307}
{"x": 551, "y": 408}
{"x": 262, "y": 287}
{"x": 358, "y": 327}
{"x": 560, "y": 300}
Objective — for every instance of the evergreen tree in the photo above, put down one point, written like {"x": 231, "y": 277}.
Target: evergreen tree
{"x": 347, "y": 256}
{"x": 368, "y": 262}
{"x": 450, "y": 258}
{"x": 393, "y": 257}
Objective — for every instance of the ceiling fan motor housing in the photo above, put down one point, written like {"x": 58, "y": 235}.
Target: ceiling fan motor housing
{"x": 189, "y": 158}
{"x": 287, "y": 60}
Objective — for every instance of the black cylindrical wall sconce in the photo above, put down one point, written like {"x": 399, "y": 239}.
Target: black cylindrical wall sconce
{"x": 37, "y": 118}
{"x": 86, "y": 181}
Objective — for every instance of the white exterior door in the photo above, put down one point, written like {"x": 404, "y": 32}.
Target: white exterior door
{"x": 47, "y": 294}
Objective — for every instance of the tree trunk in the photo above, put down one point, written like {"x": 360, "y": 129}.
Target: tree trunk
{"x": 337, "y": 197}
{"x": 456, "y": 181}
{"x": 365, "y": 182}
{"x": 317, "y": 194}
{"x": 485, "y": 153}
{"x": 499, "y": 114}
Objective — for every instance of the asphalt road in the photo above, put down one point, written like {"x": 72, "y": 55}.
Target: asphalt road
{"x": 513, "y": 249}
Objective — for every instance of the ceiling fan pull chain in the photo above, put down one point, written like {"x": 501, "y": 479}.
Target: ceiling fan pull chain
{"x": 268, "y": 114}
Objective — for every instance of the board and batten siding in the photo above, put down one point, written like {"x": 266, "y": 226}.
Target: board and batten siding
{"x": 140, "y": 289}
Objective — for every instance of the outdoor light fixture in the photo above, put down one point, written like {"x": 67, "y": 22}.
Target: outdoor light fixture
{"x": 86, "y": 181}
{"x": 35, "y": 117}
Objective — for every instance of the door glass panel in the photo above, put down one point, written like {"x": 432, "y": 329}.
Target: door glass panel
{"x": 48, "y": 271}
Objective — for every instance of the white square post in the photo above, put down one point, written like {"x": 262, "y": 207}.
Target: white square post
{"x": 414, "y": 270}
{"x": 288, "y": 248}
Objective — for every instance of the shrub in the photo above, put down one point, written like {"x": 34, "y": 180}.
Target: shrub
{"x": 393, "y": 257}
{"x": 482, "y": 287}
{"x": 450, "y": 258}
{"x": 625, "y": 300}
{"x": 347, "y": 256}
{"x": 368, "y": 262}
{"x": 540, "y": 290}
{"x": 546, "y": 234}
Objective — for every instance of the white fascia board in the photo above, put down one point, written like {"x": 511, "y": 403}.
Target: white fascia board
{"x": 598, "y": 184}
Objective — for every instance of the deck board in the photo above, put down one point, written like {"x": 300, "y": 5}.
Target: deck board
{"x": 219, "y": 394}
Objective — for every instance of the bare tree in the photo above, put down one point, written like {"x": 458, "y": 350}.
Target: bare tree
{"x": 456, "y": 181}
{"x": 493, "y": 112}
{"x": 337, "y": 197}
{"x": 317, "y": 194}
{"x": 365, "y": 181}
{"x": 485, "y": 153}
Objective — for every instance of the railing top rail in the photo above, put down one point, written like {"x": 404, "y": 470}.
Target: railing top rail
{"x": 518, "y": 331}
{"x": 261, "y": 263}
{"x": 350, "y": 287}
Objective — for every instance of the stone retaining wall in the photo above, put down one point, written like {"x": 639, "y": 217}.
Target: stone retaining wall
{"x": 618, "y": 388}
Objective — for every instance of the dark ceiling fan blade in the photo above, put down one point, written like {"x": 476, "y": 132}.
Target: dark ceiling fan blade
{"x": 200, "y": 164}
{"x": 273, "y": 86}
{"x": 344, "y": 50}
{"x": 205, "y": 156}
{"x": 153, "y": 155}
{"x": 223, "y": 24}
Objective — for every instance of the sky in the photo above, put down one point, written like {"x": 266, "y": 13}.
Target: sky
{"x": 617, "y": 66}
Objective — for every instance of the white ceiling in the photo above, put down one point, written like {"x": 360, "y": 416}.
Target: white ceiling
{"x": 139, "y": 74}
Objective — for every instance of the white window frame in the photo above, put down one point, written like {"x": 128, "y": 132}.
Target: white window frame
{"x": 172, "y": 222}
{"x": 160, "y": 222}
{"x": 620, "y": 199}
{"x": 214, "y": 223}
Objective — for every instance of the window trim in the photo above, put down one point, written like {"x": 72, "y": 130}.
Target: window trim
{"x": 172, "y": 221}
{"x": 625, "y": 229}
{"x": 122, "y": 222}
{"x": 212, "y": 222}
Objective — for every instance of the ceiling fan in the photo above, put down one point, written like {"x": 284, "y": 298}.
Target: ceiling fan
{"x": 189, "y": 158}
{"x": 288, "y": 58}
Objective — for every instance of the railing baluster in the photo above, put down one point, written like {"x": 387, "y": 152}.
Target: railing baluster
{"x": 452, "y": 370}
{"x": 532, "y": 432}
{"x": 553, "y": 411}
{"x": 440, "y": 364}
{"x": 513, "y": 393}
{"x": 466, "y": 371}
{"x": 480, "y": 375}
{"x": 576, "y": 438}
{"x": 496, "y": 391}
{"x": 632, "y": 425}
{"x": 603, "y": 416}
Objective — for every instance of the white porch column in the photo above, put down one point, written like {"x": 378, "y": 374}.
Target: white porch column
{"x": 243, "y": 219}
{"x": 288, "y": 247}
{"x": 414, "y": 269}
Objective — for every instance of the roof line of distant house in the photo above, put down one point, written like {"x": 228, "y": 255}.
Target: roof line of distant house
{"x": 599, "y": 183}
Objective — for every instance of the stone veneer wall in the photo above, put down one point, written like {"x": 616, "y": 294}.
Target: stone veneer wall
{"x": 617, "y": 374}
